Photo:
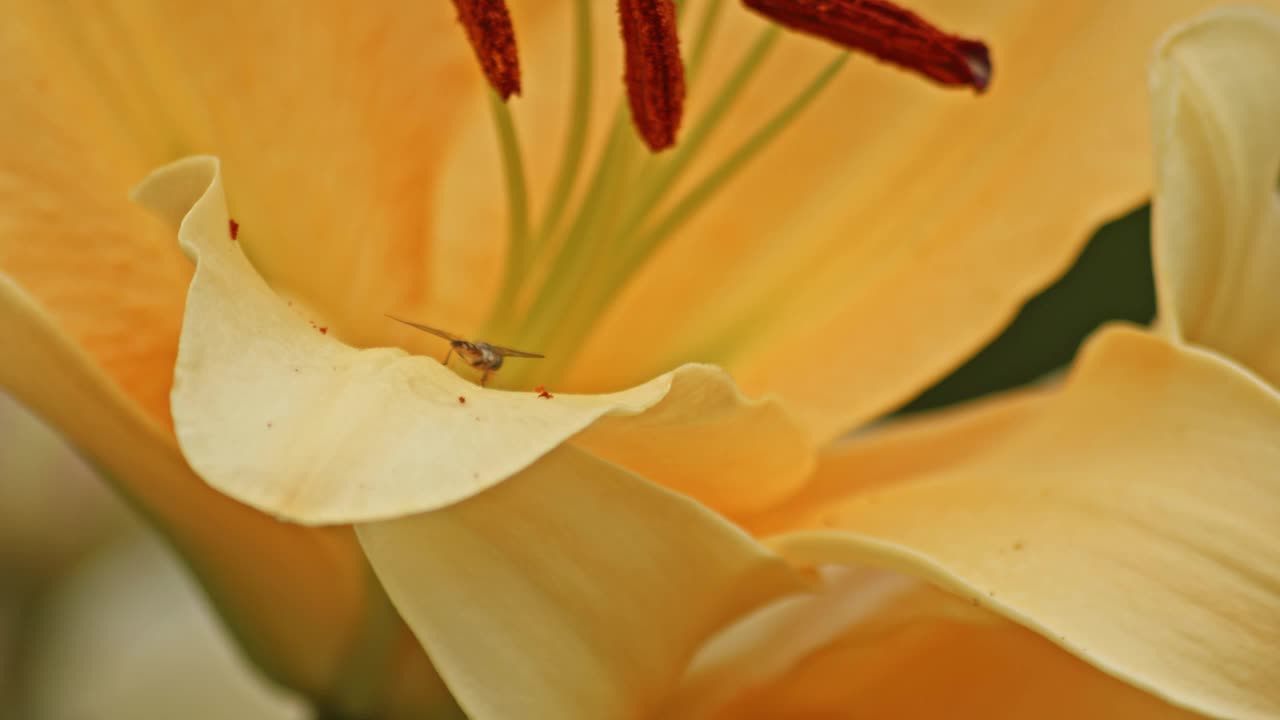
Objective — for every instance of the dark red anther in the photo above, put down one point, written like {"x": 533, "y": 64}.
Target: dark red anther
{"x": 654, "y": 72}
{"x": 323, "y": 330}
{"x": 234, "y": 228}
{"x": 493, "y": 38}
{"x": 462, "y": 400}
{"x": 542, "y": 392}
{"x": 889, "y": 33}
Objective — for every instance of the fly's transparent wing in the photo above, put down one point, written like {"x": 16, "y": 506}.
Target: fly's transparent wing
{"x": 508, "y": 352}
{"x": 438, "y": 333}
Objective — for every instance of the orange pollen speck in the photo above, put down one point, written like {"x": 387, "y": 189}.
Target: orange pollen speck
{"x": 654, "y": 72}
{"x": 542, "y": 392}
{"x": 493, "y": 38}
{"x": 462, "y": 400}
{"x": 889, "y": 33}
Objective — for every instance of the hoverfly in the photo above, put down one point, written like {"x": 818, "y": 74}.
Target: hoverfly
{"x": 480, "y": 355}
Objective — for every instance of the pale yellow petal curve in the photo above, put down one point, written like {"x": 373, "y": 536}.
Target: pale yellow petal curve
{"x": 279, "y": 414}
{"x": 572, "y": 590}
{"x": 1217, "y": 204}
{"x": 1133, "y": 522}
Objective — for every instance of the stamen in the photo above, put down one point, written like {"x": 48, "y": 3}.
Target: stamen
{"x": 493, "y": 38}
{"x": 518, "y": 250}
{"x": 654, "y": 73}
{"x": 887, "y": 32}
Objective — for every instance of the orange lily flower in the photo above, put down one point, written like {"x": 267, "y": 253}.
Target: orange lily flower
{"x": 571, "y": 552}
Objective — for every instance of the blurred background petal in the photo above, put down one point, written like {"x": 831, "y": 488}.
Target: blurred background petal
{"x": 130, "y": 636}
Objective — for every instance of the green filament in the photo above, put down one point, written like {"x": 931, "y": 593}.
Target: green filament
{"x": 655, "y": 186}
{"x": 518, "y": 250}
{"x": 702, "y": 41}
{"x": 579, "y": 124}
{"x": 728, "y": 168}
{"x": 599, "y": 292}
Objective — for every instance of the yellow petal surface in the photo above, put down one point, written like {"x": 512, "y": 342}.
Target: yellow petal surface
{"x": 282, "y": 416}
{"x": 1217, "y": 204}
{"x": 896, "y": 227}
{"x": 1132, "y": 521}
{"x": 574, "y": 589}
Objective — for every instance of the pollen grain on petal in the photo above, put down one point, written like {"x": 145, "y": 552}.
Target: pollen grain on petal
{"x": 654, "y": 71}
{"x": 493, "y": 38}
{"x": 889, "y": 33}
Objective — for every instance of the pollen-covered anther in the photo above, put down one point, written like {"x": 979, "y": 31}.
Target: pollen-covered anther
{"x": 887, "y": 32}
{"x": 493, "y": 38}
{"x": 654, "y": 72}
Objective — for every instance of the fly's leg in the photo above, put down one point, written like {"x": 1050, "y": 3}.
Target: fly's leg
{"x": 447, "y": 356}
{"x": 484, "y": 377}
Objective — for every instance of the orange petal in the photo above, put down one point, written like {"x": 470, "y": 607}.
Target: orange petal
{"x": 901, "y": 451}
{"x": 332, "y": 130}
{"x": 872, "y": 643}
{"x": 895, "y": 229}
{"x": 1133, "y": 521}
{"x": 952, "y": 670}
{"x": 574, "y": 589}
{"x": 1216, "y": 211}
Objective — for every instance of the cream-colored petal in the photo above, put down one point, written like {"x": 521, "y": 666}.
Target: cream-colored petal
{"x": 1217, "y": 205}
{"x": 572, "y": 590}
{"x": 897, "y": 227}
{"x": 1134, "y": 521}
{"x": 282, "y": 416}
